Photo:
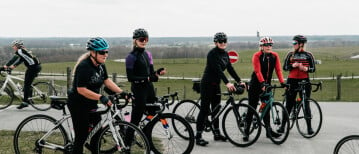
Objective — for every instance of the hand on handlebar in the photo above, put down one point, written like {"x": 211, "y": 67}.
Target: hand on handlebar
{"x": 230, "y": 87}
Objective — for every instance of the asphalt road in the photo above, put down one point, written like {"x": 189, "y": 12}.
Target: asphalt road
{"x": 340, "y": 119}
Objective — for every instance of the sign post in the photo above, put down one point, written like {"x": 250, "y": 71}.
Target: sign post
{"x": 233, "y": 56}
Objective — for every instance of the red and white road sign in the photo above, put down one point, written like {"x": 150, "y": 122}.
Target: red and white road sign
{"x": 233, "y": 56}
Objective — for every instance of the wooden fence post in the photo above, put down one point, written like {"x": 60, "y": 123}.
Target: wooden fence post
{"x": 339, "y": 86}
{"x": 68, "y": 71}
{"x": 114, "y": 77}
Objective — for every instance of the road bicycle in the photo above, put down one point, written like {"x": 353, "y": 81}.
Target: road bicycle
{"x": 347, "y": 145}
{"x": 44, "y": 134}
{"x": 233, "y": 120}
{"x": 299, "y": 115}
{"x": 277, "y": 115}
{"x": 10, "y": 88}
{"x": 167, "y": 132}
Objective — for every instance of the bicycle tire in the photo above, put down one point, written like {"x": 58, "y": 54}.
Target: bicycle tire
{"x": 161, "y": 143}
{"x": 316, "y": 119}
{"x": 7, "y": 97}
{"x": 189, "y": 110}
{"x": 347, "y": 145}
{"x": 41, "y": 101}
{"x": 106, "y": 143}
{"x": 278, "y": 114}
{"x": 292, "y": 115}
{"x": 31, "y": 129}
{"x": 235, "y": 132}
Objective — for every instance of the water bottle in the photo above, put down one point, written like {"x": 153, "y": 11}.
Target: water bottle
{"x": 127, "y": 116}
{"x": 263, "y": 105}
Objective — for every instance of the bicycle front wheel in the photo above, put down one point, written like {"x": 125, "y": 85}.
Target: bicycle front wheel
{"x": 235, "y": 124}
{"x": 311, "y": 116}
{"x": 32, "y": 129}
{"x": 348, "y": 145}
{"x": 189, "y": 110}
{"x": 6, "y": 96}
{"x": 164, "y": 138}
{"x": 278, "y": 114}
{"x": 40, "y": 98}
{"x": 107, "y": 142}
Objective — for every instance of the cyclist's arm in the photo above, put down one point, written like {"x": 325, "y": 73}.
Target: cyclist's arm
{"x": 13, "y": 62}
{"x": 233, "y": 73}
{"x": 311, "y": 67}
{"x": 112, "y": 86}
{"x": 257, "y": 67}
{"x": 287, "y": 66}
{"x": 278, "y": 68}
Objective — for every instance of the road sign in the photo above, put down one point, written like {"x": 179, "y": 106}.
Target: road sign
{"x": 233, "y": 56}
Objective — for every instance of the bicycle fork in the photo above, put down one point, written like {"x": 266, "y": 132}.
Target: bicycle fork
{"x": 166, "y": 128}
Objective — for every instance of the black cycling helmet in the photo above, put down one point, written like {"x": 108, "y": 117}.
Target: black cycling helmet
{"x": 219, "y": 36}
{"x": 300, "y": 39}
{"x": 97, "y": 44}
{"x": 140, "y": 33}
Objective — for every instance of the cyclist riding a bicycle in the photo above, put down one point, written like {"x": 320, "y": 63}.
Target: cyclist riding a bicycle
{"x": 265, "y": 61}
{"x": 33, "y": 68}
{"x": 217, "y": 62}
{"x": 89, "y": 75}
{"x": 299, "y": 63}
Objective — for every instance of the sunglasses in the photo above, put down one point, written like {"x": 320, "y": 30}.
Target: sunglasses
{"x": 102, "y": 52}
{"x": 143, "y": 39}
{"x": 222, "y": 41}
{"x": 267, "y": 44}
{"x": 294, "y": 42}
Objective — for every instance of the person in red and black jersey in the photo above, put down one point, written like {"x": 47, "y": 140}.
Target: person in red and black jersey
{"x": 265, "y": 61}
{"x": 299, "y": 63}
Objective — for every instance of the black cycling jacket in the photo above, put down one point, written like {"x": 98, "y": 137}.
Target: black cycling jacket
{"x": 25, "y": 56}
{"x": 139, "y": 66}
{"x": 217, "y": 62}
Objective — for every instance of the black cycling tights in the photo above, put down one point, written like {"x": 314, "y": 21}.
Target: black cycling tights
{"x": 30, "y": 74}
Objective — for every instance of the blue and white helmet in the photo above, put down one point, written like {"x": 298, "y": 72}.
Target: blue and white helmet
{"x": 97, "y": 44}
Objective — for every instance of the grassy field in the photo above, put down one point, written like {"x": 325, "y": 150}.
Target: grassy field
{"x": 335, "y": 61}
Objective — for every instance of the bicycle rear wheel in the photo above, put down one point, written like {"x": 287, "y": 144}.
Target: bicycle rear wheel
{"x": 278, "y": 113}
{"x": 41, "y": 92}
{"x": 314, "y": 117}
{"x": 32, "y": 129}
{"x": 107, "y": 143}
{"x": 234, "y": 126}
{"x": 189, "y": 110}
{"x": 6, "y": 96}
{"x": 164, "y": 138}
{"x": 347, "y": 145}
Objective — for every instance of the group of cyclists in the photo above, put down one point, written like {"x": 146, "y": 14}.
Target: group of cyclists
{"x": 90, "y": 74}
{"x": 298, "y": 62}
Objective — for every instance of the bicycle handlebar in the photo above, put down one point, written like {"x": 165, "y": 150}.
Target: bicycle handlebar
{"x": 6, "y": 70}
{"x": 162, "y": 101}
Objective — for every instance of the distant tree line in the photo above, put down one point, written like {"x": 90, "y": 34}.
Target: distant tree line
{"x": 69, "y": 49}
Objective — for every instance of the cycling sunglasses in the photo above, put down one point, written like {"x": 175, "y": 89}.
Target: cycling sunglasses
{"x": 222, "y": 41}
{"x": 143, "y": 39}
{"x": 294, "y": 42}
{"x": 268, "y": 44}
{"x": 102, "y": 52}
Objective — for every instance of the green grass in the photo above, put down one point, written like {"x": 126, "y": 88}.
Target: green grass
{"x": 335, "y": 61}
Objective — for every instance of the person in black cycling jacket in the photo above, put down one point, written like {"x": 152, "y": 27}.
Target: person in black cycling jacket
{"x": 89, "y": 75}
{"x": 265, "y": 61}
{"x": 140, "y": 72}
{"x": 217, "y": 62}
{"x": 33, "y": 68}
{"x": 299, "y": 63}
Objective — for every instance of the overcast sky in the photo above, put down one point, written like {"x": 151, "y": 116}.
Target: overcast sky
{"x": 163, "y": 18}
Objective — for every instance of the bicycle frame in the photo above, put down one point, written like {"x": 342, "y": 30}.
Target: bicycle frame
{"x": 9, "y": 80}
{"x": 108, "y": 121}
